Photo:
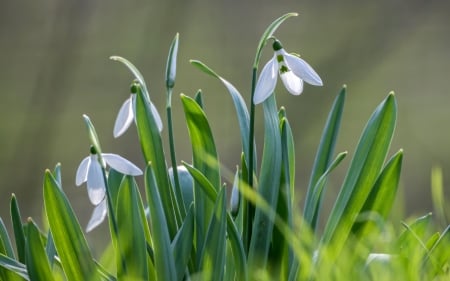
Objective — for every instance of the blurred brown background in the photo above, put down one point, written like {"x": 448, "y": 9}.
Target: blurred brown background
{"x": 54, "y": 67}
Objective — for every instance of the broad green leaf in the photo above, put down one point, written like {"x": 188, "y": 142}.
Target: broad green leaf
{"x": 205, "y": 159}
{"x": 183, "y": 242}
{"x": 268, "y": 188}
{"x": 239, "y": 104}
{"x": 212, "y": 261}
{"x": 38, "y": 266}
{"x": 324, "y": 157}
{"x": 382, "y": 196}
{"x": 269, "y": 33}
{"x": 70, "y": 243}
{"x": 234, "y": 237}
{"x": 152, "y": 148}
{"x": 15, "y": 270}
{"x": 18, "y": 229}
{"x": 132, "y": 254}
{"x": 364, "y": 169}
{"x": 164, "y": 260}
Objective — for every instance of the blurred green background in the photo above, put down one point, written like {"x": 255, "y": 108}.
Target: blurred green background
{"x": 54, "y": 67}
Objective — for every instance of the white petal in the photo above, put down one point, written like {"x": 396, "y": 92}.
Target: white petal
{"x": 124, "y": 118}
{"x": 302, "y": 69}
{"x": 121, "y": 164}
{"x": 266, "y": 82}
{"x": 292, "y": 83}
{"x": 157, "y": 117}
{"x": 95, "y": 182}
{"x": 82, "y": 171}
{"x": 98, "y": 216}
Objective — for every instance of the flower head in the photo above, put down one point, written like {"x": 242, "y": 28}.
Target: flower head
{"x": 127, "y": 114}
{"x": 292, "y": 70}
{"x": 91, "y": 171}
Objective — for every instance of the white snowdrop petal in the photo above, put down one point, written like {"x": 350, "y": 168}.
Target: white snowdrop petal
{"x": 98, "y": 216}
{"x": 292, "y": 83}
{"x": 121, "y": 164}
{"x": 157, "y": 117}
{"x": 266, "y": 82}
{"x": 302, "y": 69}
{"x": 124, "y": 118}
{"x": 95, "y": 182}
{"x": 82, "y": 171}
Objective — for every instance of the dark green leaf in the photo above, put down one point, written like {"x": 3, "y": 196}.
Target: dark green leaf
{"x": 38, "y": 266}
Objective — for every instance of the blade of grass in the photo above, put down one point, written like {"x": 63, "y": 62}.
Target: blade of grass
{"x": 18, "y": 229}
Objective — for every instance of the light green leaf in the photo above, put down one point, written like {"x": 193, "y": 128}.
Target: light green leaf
{"x": 92, "y": 134}
{"x": 132, "y": 254}
{"x": 70, "y": 243}
{"x": 18, "y": 229}
{"x": 152, "y": 148}
{"x": 5, "y": 242}
{"x": 269, "y": 184}
{"x": 324, "y": 157}
{"x": 183, "y": 242}
{"x": 164, "y": 260}
{"x": 212, "y": 261}
{"x": 7, "y": 271}
{"x": 38, "y": 266}
{"x": 132, "y": 68}
{"x": 239, "y": 104}
{"x": 363, "y": 171}
{"x": 15, "y": 270}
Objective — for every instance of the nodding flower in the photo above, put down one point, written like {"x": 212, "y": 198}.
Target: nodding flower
{"x": 292, "y": 70}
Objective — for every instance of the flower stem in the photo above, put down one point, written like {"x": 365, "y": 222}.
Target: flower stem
{"x": 173, "y": 159}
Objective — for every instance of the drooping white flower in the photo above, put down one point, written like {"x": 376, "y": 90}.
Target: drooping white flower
{"x": 127, "y": 114}
{"x": 292, "y": 70}
{"x": 90, "y": 171}
{"x": 98, "y": 215}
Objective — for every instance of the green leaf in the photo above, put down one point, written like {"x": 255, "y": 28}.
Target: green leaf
{"x": 439, "y": 255}
{"x": 5, "y": 241}
{"x": 132, "y": 258}
{"x": 171, "y": 66}
{"x": 38, "y": 266}
{"x": 152, "y": 148}
{"x": 15, "y": 269}
{"x": 164, "y": 261}
{"x": 183, "y": 242}
{"x": 363, "y": 171}
{"x": 132, "y": 68}
{"x": 18, "y": 229}
{"x": 70, "y": 243}
{"x": 239, "y": 104}
{"x": 205, "y": 159}
{"x": 382, "y": 196}
{"x": 324, "y": 157}
{"x": 212, "y": 261}
{"x": 269, "y": 184}
{"x": 268, "y": 33}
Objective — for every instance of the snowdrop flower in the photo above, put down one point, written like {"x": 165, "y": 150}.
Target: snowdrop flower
{"x": 293, "y": 71}
{"x": 90, "y": 171}
{"x": 127, "y": 114}
{"x": 98, "y": 216}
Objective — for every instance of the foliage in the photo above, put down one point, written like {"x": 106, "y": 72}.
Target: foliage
{"x": 183, "y": 229}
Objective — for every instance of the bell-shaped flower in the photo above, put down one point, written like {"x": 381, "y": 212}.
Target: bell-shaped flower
{"x": 292, "y": 70}
{"x": 90, "y": 171}
{"x": 127, "y": 114}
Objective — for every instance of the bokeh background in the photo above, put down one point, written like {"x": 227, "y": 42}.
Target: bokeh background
{"x": 54, "y": 67}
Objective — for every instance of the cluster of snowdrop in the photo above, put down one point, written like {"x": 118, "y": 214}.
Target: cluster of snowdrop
{"x": 293, "y": 72}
